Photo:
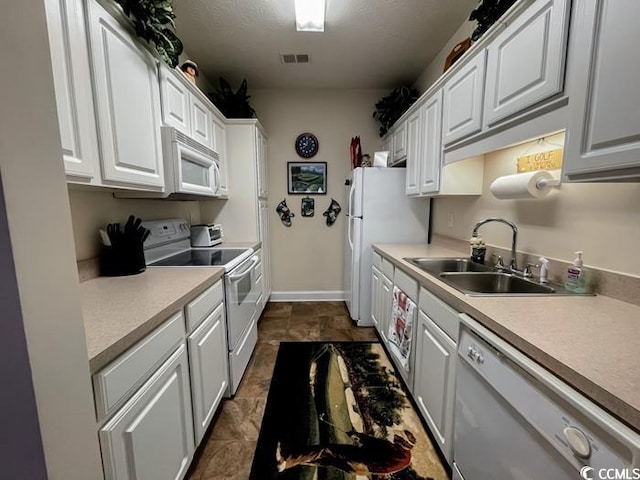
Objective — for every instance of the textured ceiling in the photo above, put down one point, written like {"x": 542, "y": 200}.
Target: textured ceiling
{"x": 366, "y": 43}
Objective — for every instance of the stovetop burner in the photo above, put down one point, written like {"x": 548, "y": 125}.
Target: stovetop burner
{"x": 201, "y": 258}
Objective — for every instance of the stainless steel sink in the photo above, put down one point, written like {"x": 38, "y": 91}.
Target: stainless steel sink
{"x": 495, "y": 283}
{"x": 439, "y": 265}
{"x": 479, "y": 280}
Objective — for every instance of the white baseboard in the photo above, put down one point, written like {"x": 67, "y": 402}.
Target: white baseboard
{"x": 308, "y": 296}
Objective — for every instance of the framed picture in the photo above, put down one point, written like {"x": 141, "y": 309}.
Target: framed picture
{"x": 307, "y": 178}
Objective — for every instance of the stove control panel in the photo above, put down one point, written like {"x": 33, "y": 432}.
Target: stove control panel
{"x": 165, "y": 231}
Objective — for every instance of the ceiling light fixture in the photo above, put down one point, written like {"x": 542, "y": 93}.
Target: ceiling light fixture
{"x": 310, "y": 15}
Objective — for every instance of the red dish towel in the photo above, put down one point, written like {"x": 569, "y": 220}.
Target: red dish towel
{"x": 403, "y": 316}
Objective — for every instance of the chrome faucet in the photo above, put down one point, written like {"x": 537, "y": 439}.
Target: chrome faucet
{"x": 513, "y": 265}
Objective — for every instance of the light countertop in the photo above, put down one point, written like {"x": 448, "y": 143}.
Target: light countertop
{"x": 120, "y": 311}
{"x": 589, "y": 342}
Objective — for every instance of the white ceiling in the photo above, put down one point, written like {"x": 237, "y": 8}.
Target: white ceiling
{"x": 366, "y": 43}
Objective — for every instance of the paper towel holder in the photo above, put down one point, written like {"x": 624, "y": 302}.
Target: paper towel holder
{"x": 534, "y": 184}
{"x": 548, "y": 183}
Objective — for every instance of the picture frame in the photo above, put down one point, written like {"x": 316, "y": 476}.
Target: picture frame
{"x": 307, "y": 178}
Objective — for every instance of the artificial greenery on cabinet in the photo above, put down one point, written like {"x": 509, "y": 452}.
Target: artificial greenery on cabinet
{"x": 232, "y": 104}
{"x": 153, "y": 21}
{"x": 486, "y": 15}
{"x": 390, "y": 108}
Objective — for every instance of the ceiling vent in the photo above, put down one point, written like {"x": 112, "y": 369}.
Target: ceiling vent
{"x": 294, "y": 58}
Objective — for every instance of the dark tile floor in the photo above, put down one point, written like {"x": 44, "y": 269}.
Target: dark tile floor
{"x": 227, "y": 450}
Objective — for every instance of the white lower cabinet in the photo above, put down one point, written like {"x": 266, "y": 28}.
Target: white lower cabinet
{"x": 151, "y": 437}
{"x": 381, "y": 294}
{"x": 156, "y": 400}
{"x": 209, "y": 369}
{"x": 434, "y": 381}
{"x": 435, "y": 367}
{"x": 376, "y": 282}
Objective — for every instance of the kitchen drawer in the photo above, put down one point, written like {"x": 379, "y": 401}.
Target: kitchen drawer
{"x": 440, "y": 313}
{"x": 198, "y": 309}
{"x": 115, "y": 383}
{"x": 377, "y": 261}
{"x": 407, "y": 284}
{"x": 240, "y": 356}
{"x": 387, "y": 268}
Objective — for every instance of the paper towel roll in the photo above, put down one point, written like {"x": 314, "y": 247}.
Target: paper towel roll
{"x": 521, "y": 185}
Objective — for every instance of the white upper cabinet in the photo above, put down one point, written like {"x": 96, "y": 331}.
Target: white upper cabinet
{"x": 128, "y": 104}
{"x": 603, "y": 142}
{"x": 400, "y": 142}
{"x": 175, "y": 101}
{"x": 201, "y": 121}
{"x": 414, "y": 152}
{"x": 432, "y": 144}
{"x": 463, "y": 100}
{"x": 74, "y": 96}
{"x": 261, "y": 158}
{"x": 525, "y": 62}
{"x": 220, "y": 147}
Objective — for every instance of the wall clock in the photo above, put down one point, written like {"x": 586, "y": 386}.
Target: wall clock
{"x": 306, "y": 145}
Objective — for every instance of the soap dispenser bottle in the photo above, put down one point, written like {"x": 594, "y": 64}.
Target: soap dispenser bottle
{"x": 575, "y": 275}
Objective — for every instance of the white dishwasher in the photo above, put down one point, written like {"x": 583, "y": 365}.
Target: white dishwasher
{"x": 515, "y": 420}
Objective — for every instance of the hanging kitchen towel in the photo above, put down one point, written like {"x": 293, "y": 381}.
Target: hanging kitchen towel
{"x": 400, "y": 330}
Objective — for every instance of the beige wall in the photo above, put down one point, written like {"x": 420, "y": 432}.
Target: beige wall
{"x": 603, "y": 220}
{"x": 93, "y": 208}
{"x": 308, "y": 255}
{"x": 433, "y": 71}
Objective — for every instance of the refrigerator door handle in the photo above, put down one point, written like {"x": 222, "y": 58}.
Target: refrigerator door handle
{"x": 350, "y": 221}
{"x": 352, "y": 190}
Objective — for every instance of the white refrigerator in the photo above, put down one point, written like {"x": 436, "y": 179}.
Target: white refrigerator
{"x": 378, "y": 211}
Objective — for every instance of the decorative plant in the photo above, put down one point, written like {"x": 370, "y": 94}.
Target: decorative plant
{"x": 153, "y": 21}
{"x": 487, "y": 13}
{"x": 390, "y": 108}
{"x": 232, "y": 104}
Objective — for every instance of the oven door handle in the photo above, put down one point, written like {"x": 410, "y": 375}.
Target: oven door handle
{"x": 239, "y": 276}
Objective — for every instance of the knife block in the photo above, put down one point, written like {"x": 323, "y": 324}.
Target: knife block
{"x": 123, "y": 259}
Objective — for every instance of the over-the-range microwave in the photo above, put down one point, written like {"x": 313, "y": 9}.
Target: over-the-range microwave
{"x": 190, "y": 169}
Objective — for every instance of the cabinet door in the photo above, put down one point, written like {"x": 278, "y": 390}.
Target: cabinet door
{"x": 265, "y": 238}
{"x": 151, "y": 437}
{"x": 603, "y": 142}
{"x": 525, "y": 63}
{"x": 463, "y": 100}
{"x": 220, "y": 147}
{"x": 414, "y": 153}
{"x": 434, "y": 381}
{"x": 74, "y": 94}
{"x": 128, "y": 103}
{"x": 209, "y": 369}
{"x": 261, "y": 158}
{"x": 376, "y": 286}
{"x": 175, "y": 101}
{"x": 201, "y": 121}
{"x": 431, "y": 161}
{"x": 386, "y": 303}
{"x": 400, "y": 142}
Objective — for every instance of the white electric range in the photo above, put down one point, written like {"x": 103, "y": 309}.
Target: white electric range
{"x": 169, "y": 245}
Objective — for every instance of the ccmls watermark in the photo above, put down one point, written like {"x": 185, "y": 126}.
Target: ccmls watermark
{"x": 590, "y": 473}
